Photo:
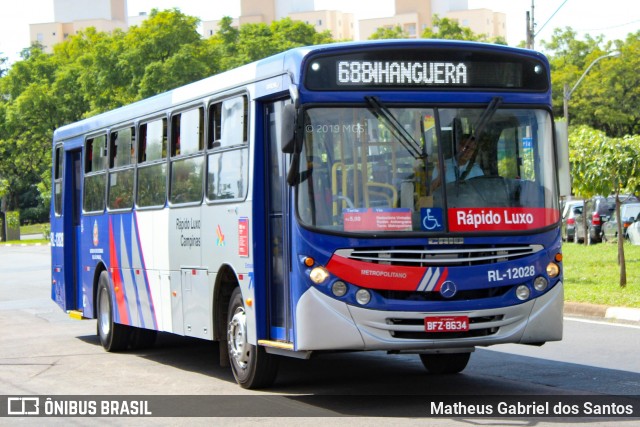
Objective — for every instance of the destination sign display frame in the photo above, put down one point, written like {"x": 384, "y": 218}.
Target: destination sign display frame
{"x": 424, "y": 68}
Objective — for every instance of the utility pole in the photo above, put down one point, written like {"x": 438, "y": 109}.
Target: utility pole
{"x": 531, "y": 28}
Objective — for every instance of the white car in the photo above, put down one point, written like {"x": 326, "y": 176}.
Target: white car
{"x": 633, "y": 231}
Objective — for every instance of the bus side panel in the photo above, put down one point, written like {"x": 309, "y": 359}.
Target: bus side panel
{"x": 226, "y": 244}
{"x": 93, "y": 255}
{"x": 133, "y": 298}
{"x": 153, "y": 238}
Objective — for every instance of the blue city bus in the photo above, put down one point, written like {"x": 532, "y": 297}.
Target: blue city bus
{"x": 399, "y": 196}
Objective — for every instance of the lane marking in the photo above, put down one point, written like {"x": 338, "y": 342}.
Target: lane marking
{"x": 601, "y": 322}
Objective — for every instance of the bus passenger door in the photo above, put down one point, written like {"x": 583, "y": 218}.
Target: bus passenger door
{"x": 280, "y": 321}
{"x": 71, "y": 210}
{"x": 77, "y": 226}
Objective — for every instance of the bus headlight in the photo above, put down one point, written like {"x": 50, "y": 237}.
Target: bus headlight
{"x": 540, "y": 283}
{"x": 363, "y": 296}
{"x": 339, "y": 288}
{"x": 523, "y": 292}
{"x": 318, "y": 275}
{"x": 553, "y": 269}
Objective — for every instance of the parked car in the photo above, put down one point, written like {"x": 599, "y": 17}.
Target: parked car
{"x": 597, "y": 210}
{"x": 628, "y": 212}
{"x": 570, "y": 209}
{"x": 633, "y": 232}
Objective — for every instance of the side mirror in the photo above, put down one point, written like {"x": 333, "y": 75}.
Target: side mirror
{"x": 562, "y": 156}
{"x": 288, "y": 130}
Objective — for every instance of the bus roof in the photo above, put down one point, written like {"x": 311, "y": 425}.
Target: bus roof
{"x": 286, "y": 63}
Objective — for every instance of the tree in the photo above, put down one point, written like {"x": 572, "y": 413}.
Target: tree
{"x": 28, "y": 116}
{"x": 608, "y": 97}
{"x": 3, "y": 64}
{"x": 603, "y": 165}
{"x": 389, "y": 33}
{"x": 450, "y": 29}
{"x": 92, "y": 72}
{"x": 256, "y": 41}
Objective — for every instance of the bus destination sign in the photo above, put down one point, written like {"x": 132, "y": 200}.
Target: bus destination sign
{"x": 401, "y": 72}
{"x": 411, "y": 69}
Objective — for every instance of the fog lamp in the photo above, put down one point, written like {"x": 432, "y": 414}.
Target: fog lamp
{"x": 318, "y": 275}
{"x": 523, "y": 292}
{"x": 339, "y": 288}
{"x": 540, "y": 283}
{"x": 363, "y": 297}
{"x": 553, "y": 269}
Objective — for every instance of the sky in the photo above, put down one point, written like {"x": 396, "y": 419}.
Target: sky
{"x": 612, "y": 18}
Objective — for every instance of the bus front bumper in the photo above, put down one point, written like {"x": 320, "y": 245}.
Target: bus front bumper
{"x": 324, "y": 323}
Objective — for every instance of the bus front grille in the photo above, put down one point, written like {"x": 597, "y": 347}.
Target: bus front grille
{"x": 446, "y": 256}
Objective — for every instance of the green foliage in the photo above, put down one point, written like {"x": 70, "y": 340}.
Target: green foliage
{"x": 3, "y": 64}
{"x": 46, "y": 231}
{"x": 389, "y": 33}
{"x": 604, "y": 165}
{"x": 92, "y": 72}
{"x": 609, "y": 95}
{"x": 13, "y": 219}
{"x": 450, "y": 29}
{"x": 443, "y": 28}
{"x": 256, "y": 41}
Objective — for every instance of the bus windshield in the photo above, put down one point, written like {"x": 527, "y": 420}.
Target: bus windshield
{"x": 391, "y": 169}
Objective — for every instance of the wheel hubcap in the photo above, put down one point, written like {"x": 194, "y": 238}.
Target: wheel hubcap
{"x": 237, "y": 338}
{"x": 104, "y": 313}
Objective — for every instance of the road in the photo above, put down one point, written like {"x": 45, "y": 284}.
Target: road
{"x": 44, "y": 352}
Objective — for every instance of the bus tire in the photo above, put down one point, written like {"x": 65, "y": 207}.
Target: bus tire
{"x": 251, "y": 365}
{"x": 447, "y": 363}
{"x": 113, "y": 336}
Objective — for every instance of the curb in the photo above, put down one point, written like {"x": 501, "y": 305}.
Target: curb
{"x": 602, "y": 312}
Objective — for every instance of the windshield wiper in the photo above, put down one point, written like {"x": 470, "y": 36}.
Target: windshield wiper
{"x": 486, "y": 115}
{"x": 383, "y": 114}
{"x": 478, "y": 128}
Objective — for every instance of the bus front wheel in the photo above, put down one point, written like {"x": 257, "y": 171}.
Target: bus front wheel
{"x": 113, "y": 336}
{"x": 252, "y": 366}
{"x": 447, "y": 363}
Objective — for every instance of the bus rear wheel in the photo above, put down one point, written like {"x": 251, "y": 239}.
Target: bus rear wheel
{"x": 447, "y": 363}
{"x": 113, "y": 336}
{"x": 251, "y": 365}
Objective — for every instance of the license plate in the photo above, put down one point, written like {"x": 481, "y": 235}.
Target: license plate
{"x": 446, "y": 324}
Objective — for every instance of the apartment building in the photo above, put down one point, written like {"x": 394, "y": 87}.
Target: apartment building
{"x": 414, "y": 16}
{"x": 341, "y": 25}
{"x": 71, "y": 16}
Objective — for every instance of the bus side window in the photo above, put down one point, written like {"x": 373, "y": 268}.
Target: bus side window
{"x": 57, "y": 178}
{"x": 228, "y": 159}
{"x": 215, "y": 126}
{"x": 95, "y": 174}
{"x": 187, "y": 160}
{"x": 152, "y": 165}
{"x": 121, "y": 161}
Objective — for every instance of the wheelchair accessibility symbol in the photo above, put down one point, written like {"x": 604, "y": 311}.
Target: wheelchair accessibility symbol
{"x": 432, "y": 219}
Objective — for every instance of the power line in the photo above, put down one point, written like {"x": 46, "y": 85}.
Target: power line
{"x": 551, "y": 17}
{"x": 609, "y": 28}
